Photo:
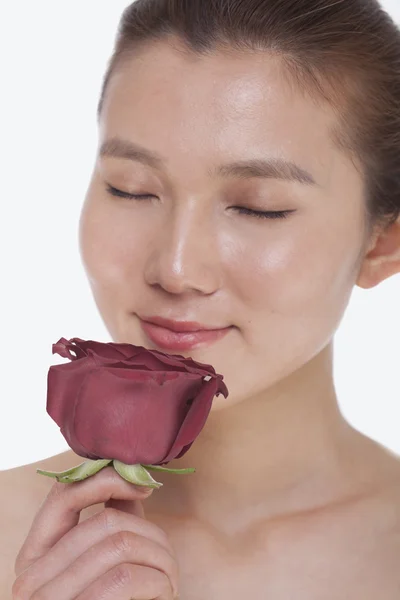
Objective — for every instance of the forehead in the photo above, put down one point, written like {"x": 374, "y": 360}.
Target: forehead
{"x": 223, "y": 104}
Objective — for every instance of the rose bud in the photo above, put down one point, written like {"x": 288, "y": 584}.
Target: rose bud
{"x": 126, "y": 405}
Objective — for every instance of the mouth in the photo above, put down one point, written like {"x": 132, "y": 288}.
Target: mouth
{"x": 180, "y": 335}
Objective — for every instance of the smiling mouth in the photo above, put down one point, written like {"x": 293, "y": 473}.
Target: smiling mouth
{"x": 168, "y": 339}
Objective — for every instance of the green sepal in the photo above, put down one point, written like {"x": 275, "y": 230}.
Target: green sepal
{"x": 178, "y": 471}
{"x": 136, "y": 474}
{"x": 78, "y": 473}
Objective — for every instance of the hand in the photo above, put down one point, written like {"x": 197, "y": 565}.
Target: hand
{"x": 113, "y": 555}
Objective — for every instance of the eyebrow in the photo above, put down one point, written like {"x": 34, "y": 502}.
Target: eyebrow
{"x": 275, "y": 168}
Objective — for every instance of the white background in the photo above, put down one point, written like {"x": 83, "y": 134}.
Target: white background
{"x": 53, "y": 56}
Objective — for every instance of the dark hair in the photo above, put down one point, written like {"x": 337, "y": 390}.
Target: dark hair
{"x": 343, "y": 52}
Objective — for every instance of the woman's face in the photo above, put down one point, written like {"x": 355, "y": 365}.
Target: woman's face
{"x": 188, "y": 252}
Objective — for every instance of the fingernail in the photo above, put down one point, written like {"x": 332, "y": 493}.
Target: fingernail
{"x": 144, "y": 490}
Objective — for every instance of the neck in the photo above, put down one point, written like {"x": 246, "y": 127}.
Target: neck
{"x": 284, "y": 451}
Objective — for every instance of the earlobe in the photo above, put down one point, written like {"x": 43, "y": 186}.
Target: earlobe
{"x": 382, "y": 259}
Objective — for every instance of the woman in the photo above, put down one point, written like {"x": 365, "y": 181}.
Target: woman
{"x": 247, "y": 178}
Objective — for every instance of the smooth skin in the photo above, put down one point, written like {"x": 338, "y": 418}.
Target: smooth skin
{"x": 288, "y": 500}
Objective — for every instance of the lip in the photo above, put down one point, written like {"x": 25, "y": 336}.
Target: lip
{"x": 178, "y": 326}
{"x": 183, "y": 335}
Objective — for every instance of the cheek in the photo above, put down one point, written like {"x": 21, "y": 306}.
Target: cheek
{"x": 292, "y": 288}
{"x": 110, "y": 244}
{"x": 299, "y": 277}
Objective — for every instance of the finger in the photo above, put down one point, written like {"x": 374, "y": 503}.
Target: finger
{"x": 127, "y": 506}
{"x": 60, "y": 511}
{"x": 123, "y": 547}
{"x": 80, "y": 539}
{"x": 129, "y": 582}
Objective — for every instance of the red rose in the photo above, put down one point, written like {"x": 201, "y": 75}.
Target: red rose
{"x": 125, "y": 402}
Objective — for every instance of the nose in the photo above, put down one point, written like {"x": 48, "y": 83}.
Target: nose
{"x": 183, "y": 253}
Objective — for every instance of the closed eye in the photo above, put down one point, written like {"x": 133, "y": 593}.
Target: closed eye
{"x": 258, "y": 214}
{"x": 120, "y": 194}
{"x": 264, "y": 214}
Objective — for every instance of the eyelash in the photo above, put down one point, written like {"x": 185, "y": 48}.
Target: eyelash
{"x": 258, "y": 214}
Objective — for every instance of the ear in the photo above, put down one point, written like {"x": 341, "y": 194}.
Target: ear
{"x": 382, "y": 259}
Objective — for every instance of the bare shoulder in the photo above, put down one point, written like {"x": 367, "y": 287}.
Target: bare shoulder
{"x": 365, "y": 542}
{"x": 23, "y": 491}
{"x": 351, "y": 548}
{"x": 21, "y": 495}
